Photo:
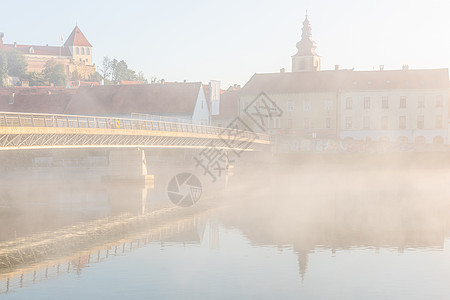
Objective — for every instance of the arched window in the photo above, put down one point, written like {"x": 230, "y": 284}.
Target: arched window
{"x": 438, "y": 140}
{"x": 420, "y": 140}
{"x": 88, "y": 51}
{"x": 402, "y": 139}
{"x": 77, "y": 50}
{"x": 82, "y": 51}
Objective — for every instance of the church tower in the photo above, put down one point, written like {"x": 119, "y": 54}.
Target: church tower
{"x": 306, "y": 58}
{"x": 79, "y": 47}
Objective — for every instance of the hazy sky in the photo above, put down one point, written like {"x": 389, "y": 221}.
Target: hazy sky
{"x": 231, "y": 40}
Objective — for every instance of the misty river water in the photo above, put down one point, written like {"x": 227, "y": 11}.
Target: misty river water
{"x": 321, "y": 230}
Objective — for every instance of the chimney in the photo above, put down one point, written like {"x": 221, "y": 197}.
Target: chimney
{"x": 405, "y": 67}
{"x": 283, "y": 70}
{"x": 336, "y": 67}
{"x": 381, "y": 67}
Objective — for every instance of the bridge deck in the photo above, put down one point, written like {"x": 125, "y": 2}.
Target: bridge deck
{"x": 34, "y": 131}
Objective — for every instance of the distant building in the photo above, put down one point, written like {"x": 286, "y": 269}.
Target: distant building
{"x": 307, "y": 100}
{"x": 405, "y": 106}
{"x": 306, "y": 58}
{"x": 173, "y": 101}
{"x": 228, "y": 107}
{"x": 75, "y": 54}
{"x": 35, "y": 99}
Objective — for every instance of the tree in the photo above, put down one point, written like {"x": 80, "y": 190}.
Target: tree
{"x": 37, "y": 79}
{"x": 114, "y": 71}
{"x": 17, "y": 65}
{"x": 106, "y": 68}
{"x": 3, "y": 68}
{"x": 75, "y": 76}
{"x": 95, "y": 77}
{"x": 54, "y": 73}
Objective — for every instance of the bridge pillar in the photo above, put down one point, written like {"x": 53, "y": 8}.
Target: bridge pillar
{"x": 128, "y": 166}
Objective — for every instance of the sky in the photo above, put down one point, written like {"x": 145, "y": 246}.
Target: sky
{"x": 231, "y": 40}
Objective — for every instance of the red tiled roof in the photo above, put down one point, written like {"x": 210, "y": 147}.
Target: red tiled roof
{"x": 35, "y": 100}
{"x": 175, "y": 98}
{"x": 82, "y": 83}
{"x": 229, "y": 103}
{"x": 77, "y": 38}
{"x": 331, "y": 81}
{"x": 39, "y": 50}
{"x": 129, "y": 82}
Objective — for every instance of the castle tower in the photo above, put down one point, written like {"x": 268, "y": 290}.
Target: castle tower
{"x": 80, "y": 47}
{"x": 306, "y": 58}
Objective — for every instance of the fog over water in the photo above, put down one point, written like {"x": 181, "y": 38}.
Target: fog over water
{"x": 361, "y": 226}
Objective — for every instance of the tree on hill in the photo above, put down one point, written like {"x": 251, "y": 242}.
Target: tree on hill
{"x": 95, "y": 77}
{"x": 17, "y": 65}
{"x": 54, "y": 73}
{"x": 3, "y": 69}
{"x": 12, "y": 63}
{"x": 114, "y": 71}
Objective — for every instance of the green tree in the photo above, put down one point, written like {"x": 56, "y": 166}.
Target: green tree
{"x": 106, "y": 68}
{"x": 37, "y": 79}
{"x": 95, "y": 77}
{"x": 54, "y": 73}
{"x": 75, "y": 76}
{"x": 17, "y": 65}
{"x": 3, "y": 68}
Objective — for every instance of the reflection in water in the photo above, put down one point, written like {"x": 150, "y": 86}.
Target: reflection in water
{"x": 305, "y": 211}
{"x": 332, "y": 210}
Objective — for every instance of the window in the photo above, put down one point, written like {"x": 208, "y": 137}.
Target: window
{"x": 289, "y": 125}
{"x": 348, "y": 123}
{"x": 348, "y": 103}
{"x": 439, "y": 102}
{"x": 82, "y": 51}
{"x": 307, "y": 105}
{"x": 384, "y": 122}
{"x": 290, "y": 105}
{"x": 366, "y": 102}
{"x": 77, "y": 50}
{"x": 384, "y": 102}
{"x": 420, "y": 122}
{"x": 403, "y": 102}
{"x": 439, "y": 122}
{"x": 328, "y": 122}
{"x": 88, "y": 51}
{"x": 366, "y": 122}
{"x": 276, "y": 122}
{"x": 306, "y": 123}
{"x": 402, "y": 122}
{"x": 421, "y": 103}
{"x": 328, "y": 105}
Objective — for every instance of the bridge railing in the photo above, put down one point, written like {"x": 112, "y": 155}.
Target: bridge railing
{"x": 74, "y": 121}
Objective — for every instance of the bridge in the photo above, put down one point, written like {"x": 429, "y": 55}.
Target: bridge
{"x": 47, "y": 131}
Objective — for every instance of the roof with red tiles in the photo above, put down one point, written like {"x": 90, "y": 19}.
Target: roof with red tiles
{"x": 38, "y": 50}
{"x": 173, "y": 98}
{"x": 35, "y": 100}
{"x": 331, "y": 81}
{"x": 77, "y": 38}
{"x": 228, "y": 106}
